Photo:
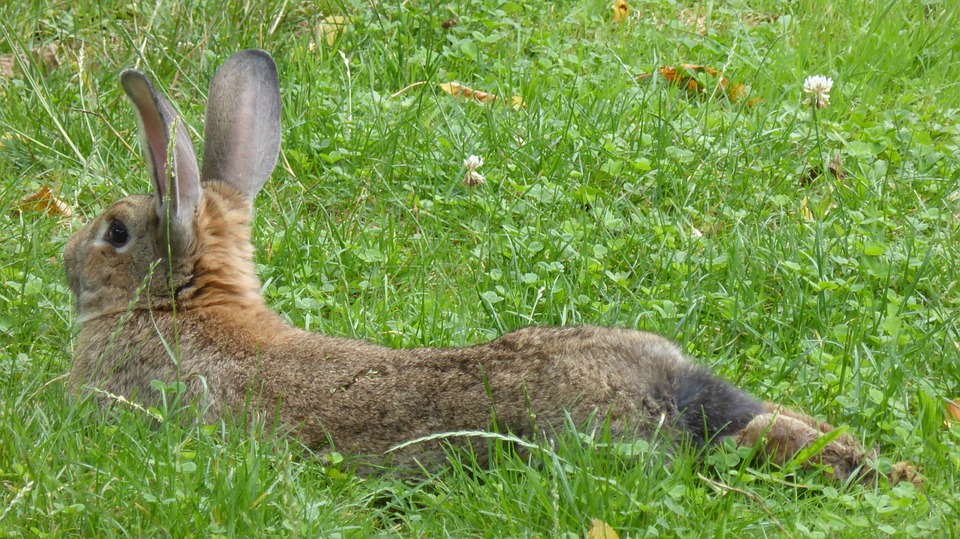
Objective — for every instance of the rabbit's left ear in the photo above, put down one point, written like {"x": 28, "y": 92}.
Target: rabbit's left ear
{"x": 242, "y": 132}
{"x": 170, "y": 158}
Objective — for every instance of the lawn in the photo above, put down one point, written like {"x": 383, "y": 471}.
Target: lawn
{"x": 810, "y": 255}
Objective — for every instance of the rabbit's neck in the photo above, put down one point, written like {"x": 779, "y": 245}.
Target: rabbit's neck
{"x": 221, "y": 270}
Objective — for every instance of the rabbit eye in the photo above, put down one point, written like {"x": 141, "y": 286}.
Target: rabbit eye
{"x": 117, "y": 234}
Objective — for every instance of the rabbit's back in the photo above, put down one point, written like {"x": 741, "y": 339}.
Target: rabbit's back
{"x": 369, "y": 398}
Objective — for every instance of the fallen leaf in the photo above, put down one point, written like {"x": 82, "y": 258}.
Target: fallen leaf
{"x": 834, "y": 167}
{"x": 45, "y": 55}
{"x": 601, "y": 530}
{"x": 805, "y": 211}
{"x": 621, "y": 10}
{"x": 48, "y": 56}
{"x": 685, "y": 77}
{"x": 43, "y": 201}
{"x": 952, "y": 411}
{"x": 458, "y": 90}
{"x": 906, "y": 471}
{"x": 7, "y": 61}
{"x": 331, "y": 27}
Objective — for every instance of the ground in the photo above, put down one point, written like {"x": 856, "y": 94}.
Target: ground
{"x": 808, "y": 254}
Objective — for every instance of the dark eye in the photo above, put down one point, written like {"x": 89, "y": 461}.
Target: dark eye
{"x": 117, "y": 234}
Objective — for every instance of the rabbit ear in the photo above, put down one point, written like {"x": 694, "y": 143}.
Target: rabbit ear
{"x": 242, "y": 134}
{"x": 172, "y": 164}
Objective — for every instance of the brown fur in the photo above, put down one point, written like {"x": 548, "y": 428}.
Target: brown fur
{"x": 199, "y": 297}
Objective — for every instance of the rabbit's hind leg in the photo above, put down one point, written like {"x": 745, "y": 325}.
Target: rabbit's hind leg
{"x": 782, "y": 433}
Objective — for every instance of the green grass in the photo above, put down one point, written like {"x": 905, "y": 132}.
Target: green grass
{"x": 608, "y": 200}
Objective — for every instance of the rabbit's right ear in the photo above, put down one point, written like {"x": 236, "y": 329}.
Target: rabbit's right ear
{"x": 242, "y": 131}
{"x": 172, "y": 163}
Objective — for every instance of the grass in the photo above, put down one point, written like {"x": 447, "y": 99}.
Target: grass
{"x": 607, "y": 200}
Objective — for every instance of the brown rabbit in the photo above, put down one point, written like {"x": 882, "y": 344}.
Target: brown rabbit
{"x": 166, "y": 290}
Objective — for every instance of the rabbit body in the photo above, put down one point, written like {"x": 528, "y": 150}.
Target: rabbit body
{"x": 232, "y": 351}
{"x": 166, "y": 290}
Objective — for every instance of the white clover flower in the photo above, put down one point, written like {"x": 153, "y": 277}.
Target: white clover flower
{"x": 819, "y": 88}
{"x": 473, "y": 178}
{"x": 473, "y": 162}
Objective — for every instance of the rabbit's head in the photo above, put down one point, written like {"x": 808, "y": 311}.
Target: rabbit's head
{"x": 190, "y": 239}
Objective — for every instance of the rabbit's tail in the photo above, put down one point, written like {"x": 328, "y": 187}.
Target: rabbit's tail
{"x": 711, "y": 408}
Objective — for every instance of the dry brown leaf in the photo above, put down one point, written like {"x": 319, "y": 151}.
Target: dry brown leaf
{"x": 43, "y": 201}
{"x": 952, "y": 412}
{"x": 45, "y": 56}
{"x": 48, "y": 56}
{"x": 331, "y": 27}
{"x": 685, "y": 77}
{"x": 835, "y": 167}
{"x": 7, "y": 61}
{"x": 458, "y": 90}
{"x": 621, "y": 10}
{"x": 601, "y": 530}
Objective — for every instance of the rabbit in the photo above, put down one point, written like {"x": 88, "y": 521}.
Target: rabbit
{"x": 165, "y": 289}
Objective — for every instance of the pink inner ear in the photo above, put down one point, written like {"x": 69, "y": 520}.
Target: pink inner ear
{"x": 156, "y": 135}
{"x": 154, "y": 132}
